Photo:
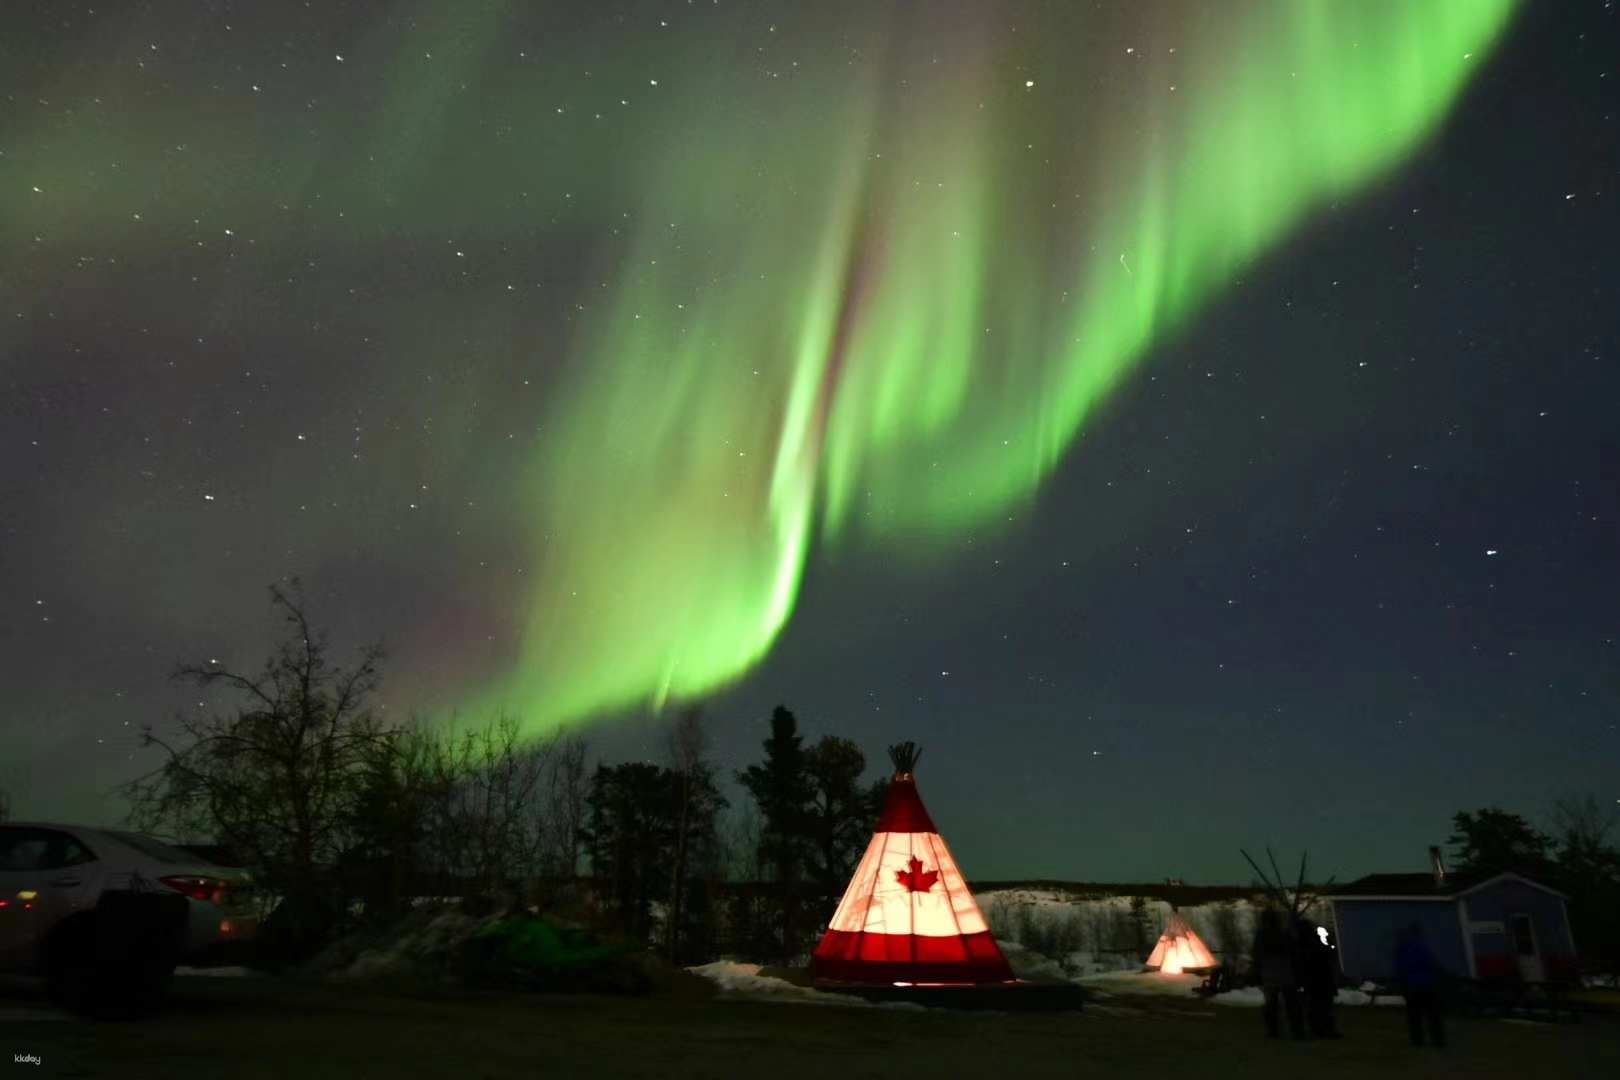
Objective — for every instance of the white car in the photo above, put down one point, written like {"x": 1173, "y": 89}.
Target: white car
{"x": 52, "y": 878}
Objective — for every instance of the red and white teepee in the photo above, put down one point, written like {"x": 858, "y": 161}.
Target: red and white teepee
{"x": 1180, "y": 949}
{"x": 907, "y": 916}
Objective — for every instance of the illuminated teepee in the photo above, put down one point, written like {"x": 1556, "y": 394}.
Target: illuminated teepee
{"x": 1179, "y": 950}
{"x": 907, "y": 916}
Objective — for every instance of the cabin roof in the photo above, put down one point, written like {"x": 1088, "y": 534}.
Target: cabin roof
{"x": 1424, "y": 886}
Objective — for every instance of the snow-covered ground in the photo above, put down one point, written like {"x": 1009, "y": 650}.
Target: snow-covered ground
{"x": 739, "y": 980}
{"x": 1254, "y": 997}
{"x": 1142, "y": 983}
{"x": 1155, "y": 984}
{"x": 736, "y": 980}
{"x": 1094, "y": 934}
{"x": 1031, "y": 965}
{"x": 441, "y": 935}
{"x": 1101, "y": 941}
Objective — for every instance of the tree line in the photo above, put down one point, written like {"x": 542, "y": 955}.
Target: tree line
{"x": 1577, "y": 857}
{"x": 340, "y": 812}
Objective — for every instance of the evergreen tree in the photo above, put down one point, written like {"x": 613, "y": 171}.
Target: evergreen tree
{"x": 389, "y": 822}
{"x": 1588, "y": 869}
{"x": 1492, "y": 840}
{"x": 643, "y": 822}
{"x": 781, "y": 787}
{"x": 875, "y": 795}
{"x": 838, "y": 822}
{"x": 630, "y": 839}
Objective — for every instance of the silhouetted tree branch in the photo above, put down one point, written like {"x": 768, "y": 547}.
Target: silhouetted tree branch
{"x": 278, "y": 780}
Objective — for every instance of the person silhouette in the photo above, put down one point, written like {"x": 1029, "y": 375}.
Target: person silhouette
{"x": 1274, "y": 969}
{"x": 1419, "y": 974}
{"x": 1319, "y": 972}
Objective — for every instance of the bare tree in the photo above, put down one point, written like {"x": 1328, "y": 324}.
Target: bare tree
{"x": 278, "y": 779}
{"x": 1588, "y": 869}
{"x": 481, "y": 785}
{"x": 687, "y": 743}
{"x": 743, "y": 834}
{"x": 391, "y": 818}
{"x": 567, "y": 789}
{"x": 1583, "y": 823}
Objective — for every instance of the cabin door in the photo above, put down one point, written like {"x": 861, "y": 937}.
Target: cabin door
{"x": 1523, "y": 934}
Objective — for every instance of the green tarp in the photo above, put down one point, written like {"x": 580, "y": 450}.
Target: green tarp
{"x": 528, "y": 943}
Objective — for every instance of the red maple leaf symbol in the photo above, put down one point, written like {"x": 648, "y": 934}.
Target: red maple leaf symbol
{"x": 916, "y": 879}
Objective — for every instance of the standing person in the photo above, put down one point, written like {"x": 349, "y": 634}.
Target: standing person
{"x": 1419, "y": 974}
{"x": 1273, "y": 960}
{"x": 1320, "y": 974}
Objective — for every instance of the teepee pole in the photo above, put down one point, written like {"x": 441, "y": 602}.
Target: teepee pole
{"x": 1264, "y": 879}
{"x": 1271, "y": 858}
{"x": 905, "y": 757}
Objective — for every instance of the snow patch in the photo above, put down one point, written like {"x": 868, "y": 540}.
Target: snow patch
{"x": 1093, "y": 933}
{"x": 1155, "y": 984}
{"x": 1143, "y": 983}
{"x": 1361, "y": 997}
{"x": 1083, "y": 965}
{"x": 1254, "y": 997}
{"x": 737, "y": 980}
{"x": 1030, "y": 965}
{"x": 234, "y": 972}
{"x": 426, "y": 939}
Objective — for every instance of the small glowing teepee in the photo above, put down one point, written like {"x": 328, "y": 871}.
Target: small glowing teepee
{"x": 1179, "y": 950}
{"x": 907, "y": 916}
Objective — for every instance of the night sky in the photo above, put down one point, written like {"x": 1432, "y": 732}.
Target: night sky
{"x": 1197, "y": 425}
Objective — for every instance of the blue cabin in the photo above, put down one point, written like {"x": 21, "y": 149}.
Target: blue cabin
{"x": 1477, "y": 926}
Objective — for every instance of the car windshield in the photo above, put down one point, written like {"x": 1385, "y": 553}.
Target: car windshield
{"x": 157, "y": 849}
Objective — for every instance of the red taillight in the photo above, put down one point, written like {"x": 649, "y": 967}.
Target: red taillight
{"x": 198, "y": 888}
{"x": 5, "y": 903}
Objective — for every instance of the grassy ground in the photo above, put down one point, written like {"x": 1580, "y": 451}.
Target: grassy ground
{"x": 267, "y": 1027}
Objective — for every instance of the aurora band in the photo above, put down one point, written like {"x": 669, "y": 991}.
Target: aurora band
{"x": 892, "y": 310}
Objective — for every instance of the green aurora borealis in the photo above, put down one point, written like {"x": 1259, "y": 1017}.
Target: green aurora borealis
{"x": 908, "y": 343}
{"x": 874, "y": 284}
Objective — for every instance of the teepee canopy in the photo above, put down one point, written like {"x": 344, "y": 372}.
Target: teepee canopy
{"x": 907, "y": 916}
{"x": 1179, "y": 949}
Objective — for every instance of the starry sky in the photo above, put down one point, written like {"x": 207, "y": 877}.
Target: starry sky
{"x": 1193, "y": 424}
